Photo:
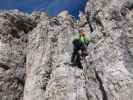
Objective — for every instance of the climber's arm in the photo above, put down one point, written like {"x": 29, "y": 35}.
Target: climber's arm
{"x": 88, "y": 40}
{"x": 92, "y": 40}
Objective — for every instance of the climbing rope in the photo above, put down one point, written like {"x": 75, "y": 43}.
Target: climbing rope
{"x": 84, "y": 59}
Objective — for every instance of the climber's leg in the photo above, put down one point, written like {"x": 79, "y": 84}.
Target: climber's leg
{"x": 78, "y": 61}
{"x": 76, "y": 48}
{"x": 84, "y": 51}
{"x": 73, "y": 55}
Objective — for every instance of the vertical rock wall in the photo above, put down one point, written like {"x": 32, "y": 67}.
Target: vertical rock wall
{"x": 111, "y": 23}
{"x": 35, "y": 54}
{"x": 14, "y": 27}
{"x": 49, "y": 73}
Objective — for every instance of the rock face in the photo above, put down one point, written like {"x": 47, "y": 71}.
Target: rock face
{"x": 14, "y": 27}
{"x": 112, "y": 58}
{"x": 35, "y": 54}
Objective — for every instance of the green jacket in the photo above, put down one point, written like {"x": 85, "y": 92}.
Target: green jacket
{"x": 83, "y": 39}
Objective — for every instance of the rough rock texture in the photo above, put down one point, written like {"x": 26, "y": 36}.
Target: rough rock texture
{"x": 49, "y": 74}
{"x": 43, "y": 45}
{"x": 14, "y": 27}
{"x": 112, "y": 61}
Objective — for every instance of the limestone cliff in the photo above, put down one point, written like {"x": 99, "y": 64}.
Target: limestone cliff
{"x": 35, "y": 54}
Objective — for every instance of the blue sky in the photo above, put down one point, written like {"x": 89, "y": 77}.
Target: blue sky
{"x": 53, "y": 7}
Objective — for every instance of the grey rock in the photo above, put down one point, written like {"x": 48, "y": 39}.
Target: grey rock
{"x": 35, "y": 54}
{"x": 112, "y": 59}
{"x": 47, "y": 50}
{"x": 14, "y": 27}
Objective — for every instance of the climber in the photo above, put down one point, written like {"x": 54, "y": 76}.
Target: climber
{"x": 80, "y": 44}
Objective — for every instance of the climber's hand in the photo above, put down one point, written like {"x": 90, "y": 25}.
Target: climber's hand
{"x": 93, "y": 40}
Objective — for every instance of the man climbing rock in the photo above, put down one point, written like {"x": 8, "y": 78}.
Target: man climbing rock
{"x": 80, "y": 44}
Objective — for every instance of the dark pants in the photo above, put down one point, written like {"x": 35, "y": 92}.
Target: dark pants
{"x": 84, "y": 50}
{"x": 76, "y": 56}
